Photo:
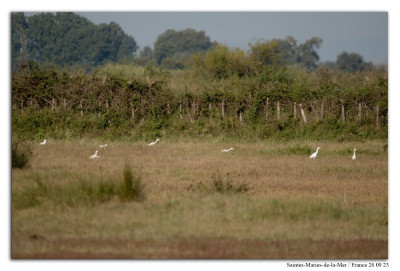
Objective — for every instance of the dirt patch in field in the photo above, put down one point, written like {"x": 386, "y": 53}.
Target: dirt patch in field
{"x": 202, "y": 249}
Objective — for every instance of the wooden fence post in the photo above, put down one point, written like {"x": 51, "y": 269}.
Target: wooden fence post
{"x": 81, "y": 107}
{"x": 266, "y": 109}
{"x": 223, "y": 108}
{"x": 294, "y": 110}
{"x": 99, "y": 113}
{"x": 302, "y": 113}
{"x": 180, "y": 110}
{"x": 278, "y": 111}
{"x": 241, "y": 117}
{"x": 359, "y": 111}
{"x": 343, "y": 116}
{"x": 377, "y": 116}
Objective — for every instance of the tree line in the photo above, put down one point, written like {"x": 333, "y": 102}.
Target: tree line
{"x": 68, "y": 40}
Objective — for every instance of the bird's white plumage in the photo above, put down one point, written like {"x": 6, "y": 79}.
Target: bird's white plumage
{"x": 354, "y": 155}
{"x": 153, "y": 143}
{"x": 94, "y": 155}
{"x": 103, "y": 146}
{"x": 227, "y": 150}
{"x": 43, "y": 143}
{"x": 314, "y": 155}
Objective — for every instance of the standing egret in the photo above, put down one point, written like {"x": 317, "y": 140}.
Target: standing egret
{"x": 94, "y": 155}
{"x": 103, "y": 146}
{"x": 354, "y": 155}
{"x": 153, "y": 143}
{"x": 227, "y": 150}
{"x": 43, "y": 143}
{"x": 314, "y": 154}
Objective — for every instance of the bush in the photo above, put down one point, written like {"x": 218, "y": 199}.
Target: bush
{"x": 132, "y": 187}
{"x": 21, "y": 153}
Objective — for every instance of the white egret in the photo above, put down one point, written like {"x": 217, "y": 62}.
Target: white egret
{"x": 43, "y": 143}
{"x": 94, "y": 155}
{"x": 312, "y": 156}
{"x": 354, "y": 155}
{"x": 153, "y": 143}
{"x": 103, "y": 146}
{"x": 227, "y": 150}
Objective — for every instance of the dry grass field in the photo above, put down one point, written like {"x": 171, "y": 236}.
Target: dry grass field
{"x": 263, "y": 200}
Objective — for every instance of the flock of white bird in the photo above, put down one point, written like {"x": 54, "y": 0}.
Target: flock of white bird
{"x": 312, "y": 156}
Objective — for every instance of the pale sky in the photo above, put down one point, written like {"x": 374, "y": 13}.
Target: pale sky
{"x": 365, "y": 33}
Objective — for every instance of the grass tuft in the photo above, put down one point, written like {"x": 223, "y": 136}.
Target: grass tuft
{"x": 21, "y": 153}
{"x": 220, "y": 185}
{"x": 132, "y": 187}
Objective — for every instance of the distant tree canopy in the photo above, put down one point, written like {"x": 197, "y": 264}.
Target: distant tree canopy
{"x": 278, "y": 52}
{"x": 172, "y": 46}
{"x": 352, "y": 62}
{"x": 67, "y": 39}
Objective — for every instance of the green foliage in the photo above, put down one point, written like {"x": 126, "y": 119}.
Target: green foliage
{"x": 222, "y": 98}
{"x": 176, "y": 46}
{"x": 67, "y": 39}
{"x": 352, "y": 62}
{"x": 21, "y": 153}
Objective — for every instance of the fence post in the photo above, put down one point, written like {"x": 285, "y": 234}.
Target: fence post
{"x": 377, "y": 116}
{"x": 278, "y": 111}
{"x": 343, "y": 116}
{"x": 81, "y": 107}
{"x": 180, "y": 110}
{"x": 266, "y": 109}
{"x": 241, "y": 117}
{"x": 99, "y": 113}
{"x": 294, "y": 110}
{"x": 223, "y": 108}
{"x": 302, "y": 113}
{"x": 359, "y": 111}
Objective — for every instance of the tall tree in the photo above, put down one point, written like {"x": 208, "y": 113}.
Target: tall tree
{"x": 19, "y": 39}
{"x": 352, "y": 62}
{"x": 64, "y": 38}
{"x": 306, "y": 53}
{"x": 178, "y": 44}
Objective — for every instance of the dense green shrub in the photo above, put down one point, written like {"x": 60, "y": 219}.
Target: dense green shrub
{"x": 21, "y": 153}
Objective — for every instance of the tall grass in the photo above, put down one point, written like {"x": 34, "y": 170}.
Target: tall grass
{"x": 21, "y": 153}
{"x": 80, "y": 192}
{"x": 132, "y": 187}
